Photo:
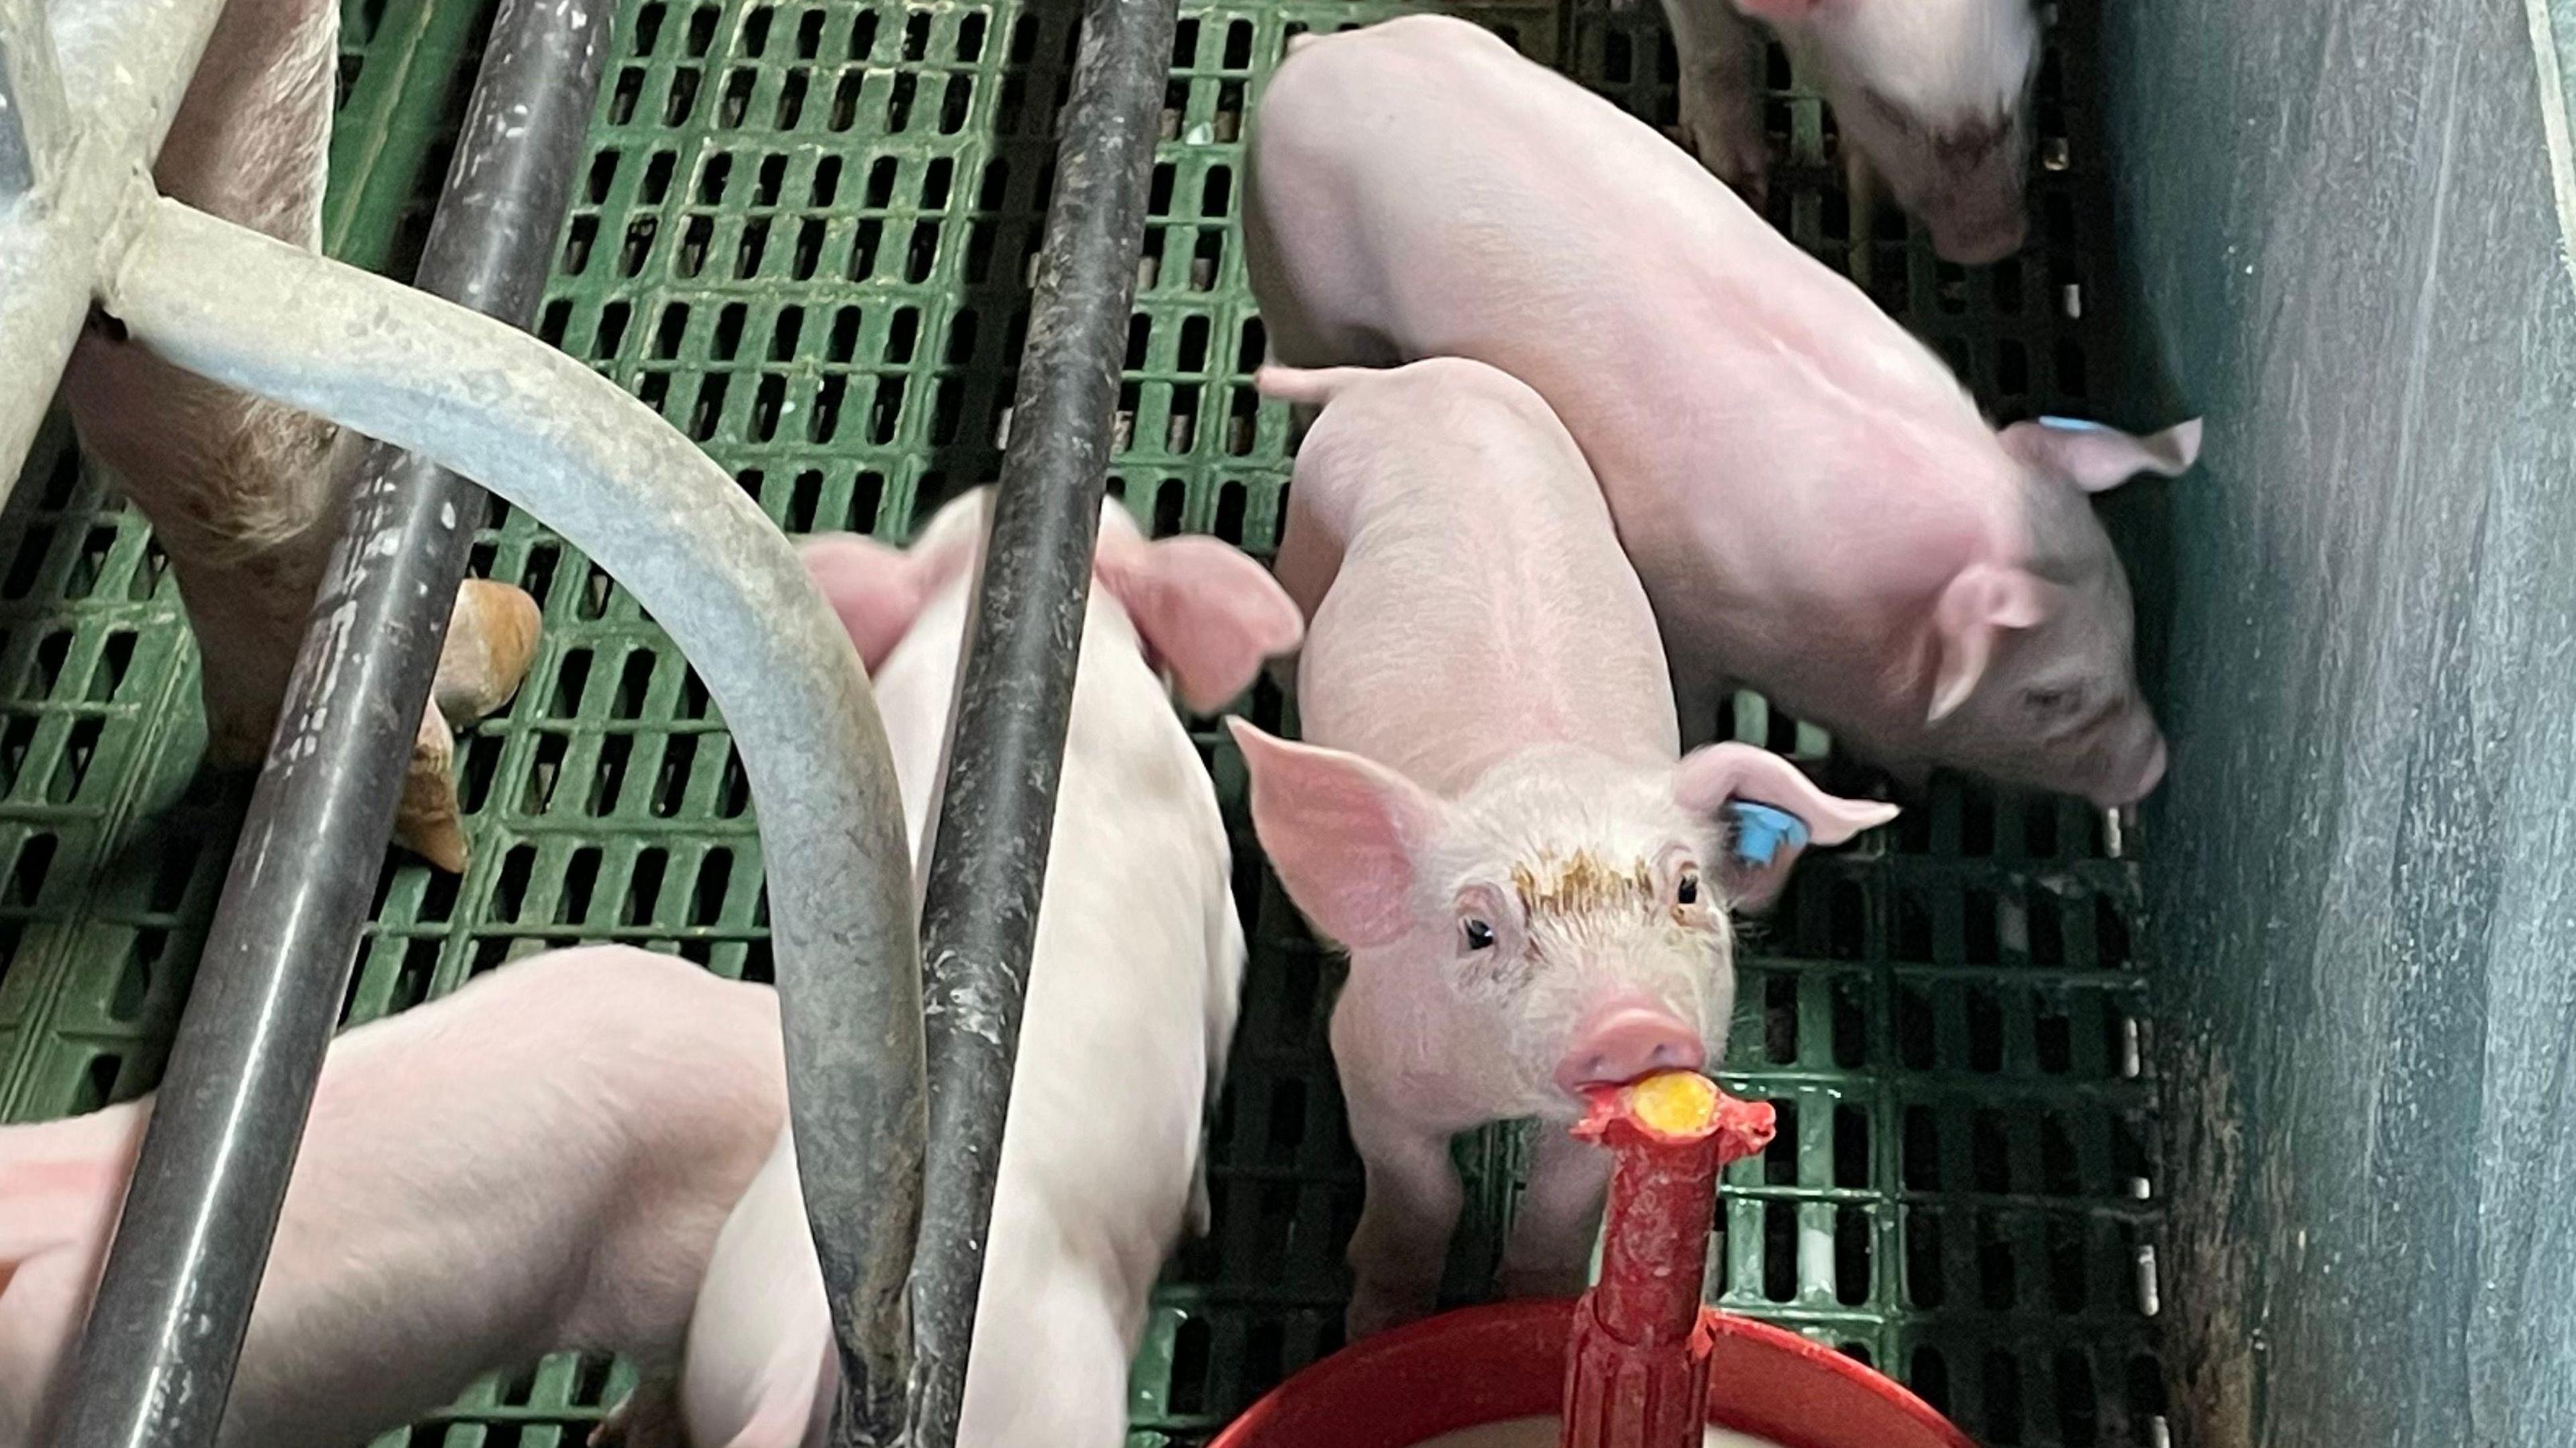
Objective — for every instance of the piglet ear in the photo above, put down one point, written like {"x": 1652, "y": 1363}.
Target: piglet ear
{"x": 1342, "y": 832}
{"x": 1973, "y": 612}
{"x": 2097, "y": 458}
{"x": 1773, "y": 812}
{"x": 1204, "y": 611}
{"x": 877, "y": 590}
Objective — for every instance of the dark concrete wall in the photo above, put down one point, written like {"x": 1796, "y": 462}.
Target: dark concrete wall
{"x": 2338, "y": 239}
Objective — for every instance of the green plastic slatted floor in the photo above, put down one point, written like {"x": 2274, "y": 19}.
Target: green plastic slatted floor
{"x": 804, "y": 234}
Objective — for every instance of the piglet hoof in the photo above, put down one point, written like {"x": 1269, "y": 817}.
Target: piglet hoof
{"x": 428, "y": 822}
{"x": 491, "y": 638}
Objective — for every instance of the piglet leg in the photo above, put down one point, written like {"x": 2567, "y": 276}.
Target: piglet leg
{"x": 1861, "y": 190}
{"x": 1549, "y": 1252}
{"x": 241, "y": 491}
{"x": 1721, "y": 116}
{"x": 238, "y": 493}
{"x": 1402, "y": 1241}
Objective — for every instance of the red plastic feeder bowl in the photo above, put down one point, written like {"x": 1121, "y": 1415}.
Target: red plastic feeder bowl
{"x": 1485, "y": 1365}
{"x": 1645, "y": 1364}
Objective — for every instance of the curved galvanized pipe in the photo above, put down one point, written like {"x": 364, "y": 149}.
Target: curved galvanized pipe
{"x": 555, "y": 438}
{"x": 158, "y": 1356}
{"x": 35, "y": 116}
{"x": 89, "y": 102}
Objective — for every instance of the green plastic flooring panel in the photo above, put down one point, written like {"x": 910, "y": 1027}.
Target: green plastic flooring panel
{"x": 804, "y": 234}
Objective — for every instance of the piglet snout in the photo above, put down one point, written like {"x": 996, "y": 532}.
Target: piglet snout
{"x": 1625, "y": 1040}
{"x": 2153, "y": 774}
{"x": 1980, "y": 241}
{"x": 2144, "y": 770}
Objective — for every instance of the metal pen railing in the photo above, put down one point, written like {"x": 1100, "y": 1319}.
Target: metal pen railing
{"x": 465, "y": 392}
{"x": 212, "y": 1177}
{"x": 997, "y": 815}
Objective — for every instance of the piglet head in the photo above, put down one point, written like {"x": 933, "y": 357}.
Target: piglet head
{"x": 2033, "y": 679}
{"x": 1202, "y": 611}
{"x": 1934, "y": 93}
{"x": 1576, "y": 902}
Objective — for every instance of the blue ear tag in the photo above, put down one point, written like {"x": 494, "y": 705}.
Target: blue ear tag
{"x": 2070, "y": 424}
{"x": 1760, "y": 830}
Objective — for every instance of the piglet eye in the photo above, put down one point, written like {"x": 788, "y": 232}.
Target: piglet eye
{"x": 1476, "y": 934}
{"x": 1686, "y": 889}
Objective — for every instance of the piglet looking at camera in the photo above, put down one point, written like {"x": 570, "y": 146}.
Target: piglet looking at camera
{"x": 1492, "y": 813}
{"x": 1132, "y": 995}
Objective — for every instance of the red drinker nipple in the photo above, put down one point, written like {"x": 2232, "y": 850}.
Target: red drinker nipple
{"x": 1636, "y": 1365}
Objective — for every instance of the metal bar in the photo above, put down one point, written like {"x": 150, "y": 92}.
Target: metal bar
{"x": 34, "y": 119}
{"x": 997, "y": 815}
{"x": 122, "y": 67}
{"x": 624, "y": 487}
{"x": 157, "y": 1361}
{"x": 127, "y": 64}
